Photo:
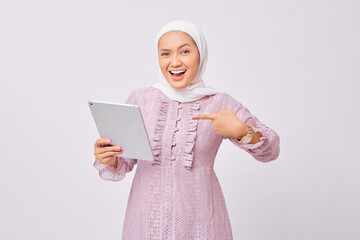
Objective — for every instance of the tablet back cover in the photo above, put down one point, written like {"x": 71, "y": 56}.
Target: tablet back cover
{"x": 123, "y": 124}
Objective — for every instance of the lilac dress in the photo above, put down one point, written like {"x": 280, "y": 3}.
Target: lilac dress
{"x": 178, "y": 196}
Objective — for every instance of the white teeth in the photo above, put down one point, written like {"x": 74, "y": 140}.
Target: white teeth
{"x": 177, "y": 72}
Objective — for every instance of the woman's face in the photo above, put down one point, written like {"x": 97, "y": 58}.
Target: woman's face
{"x": 178, "y": 58}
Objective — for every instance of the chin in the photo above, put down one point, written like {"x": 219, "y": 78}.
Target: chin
{"x": 178, "y": 86}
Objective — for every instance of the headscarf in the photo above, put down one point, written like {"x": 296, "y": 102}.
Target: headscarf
{"x": 196, "y": 89}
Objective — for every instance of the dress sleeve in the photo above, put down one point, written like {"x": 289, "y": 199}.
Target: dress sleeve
{"x": 110, "y": 173}
{"x": 268, "y": 148}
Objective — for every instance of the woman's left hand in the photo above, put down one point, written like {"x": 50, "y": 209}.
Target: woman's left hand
{"x": 225, "y": 123}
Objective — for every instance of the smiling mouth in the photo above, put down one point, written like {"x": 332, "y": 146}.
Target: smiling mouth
{"x": 177, "y": 72}
{"x": 177, "y": 75}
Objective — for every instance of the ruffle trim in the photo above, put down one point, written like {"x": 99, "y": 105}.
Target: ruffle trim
{"x": 191, "y": 136}
{"x": 158, "y": 131}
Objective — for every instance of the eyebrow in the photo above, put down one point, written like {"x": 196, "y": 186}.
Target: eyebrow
{"x": 178, "y": 47}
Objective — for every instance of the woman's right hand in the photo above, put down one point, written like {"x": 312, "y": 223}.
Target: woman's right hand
{"x": 106, "y": 152}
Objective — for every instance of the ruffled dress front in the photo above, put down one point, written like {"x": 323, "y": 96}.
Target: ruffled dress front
{"x": 178, "y": 196}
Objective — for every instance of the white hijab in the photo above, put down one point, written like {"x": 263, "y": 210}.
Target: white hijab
{"x": 196, "y": 88}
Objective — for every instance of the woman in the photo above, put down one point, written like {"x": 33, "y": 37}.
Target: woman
{"x": 178, "y": 196}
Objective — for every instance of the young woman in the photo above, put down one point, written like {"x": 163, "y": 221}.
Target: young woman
{"x": 178, "y": 196}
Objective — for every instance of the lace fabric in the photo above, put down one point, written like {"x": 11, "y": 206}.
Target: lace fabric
{"x": 178, "y": 196}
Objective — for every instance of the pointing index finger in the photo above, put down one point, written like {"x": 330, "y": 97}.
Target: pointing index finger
{"x": 205, "y": 116}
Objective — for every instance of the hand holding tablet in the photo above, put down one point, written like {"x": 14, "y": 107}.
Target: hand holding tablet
{"x": 106, "y": 152}
{"x": 124, "y": 125}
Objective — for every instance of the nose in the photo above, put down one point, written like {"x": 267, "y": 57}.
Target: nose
{"x": 175, "y": 61}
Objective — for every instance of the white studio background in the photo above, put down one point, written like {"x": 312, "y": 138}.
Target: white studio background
{"x": 293, "y": 64}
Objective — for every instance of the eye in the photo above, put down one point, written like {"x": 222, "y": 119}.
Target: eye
{"x": 185, "y": 51}
{"x": 164, "y": 54}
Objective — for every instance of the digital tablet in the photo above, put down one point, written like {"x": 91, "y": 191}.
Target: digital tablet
{"x": 124, "y": 125}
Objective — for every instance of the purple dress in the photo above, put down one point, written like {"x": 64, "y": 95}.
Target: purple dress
{"x": 178, "y": 196}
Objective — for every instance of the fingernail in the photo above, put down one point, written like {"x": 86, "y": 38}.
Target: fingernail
{"x": 119, "y": 148}
{"x": 109, "y": 141}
